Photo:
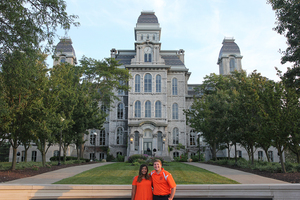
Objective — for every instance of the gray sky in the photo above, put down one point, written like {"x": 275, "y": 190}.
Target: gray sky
{"x": 197, "y": 26}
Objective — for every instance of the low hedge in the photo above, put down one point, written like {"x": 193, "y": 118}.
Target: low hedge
{"x": 55, "y": 158}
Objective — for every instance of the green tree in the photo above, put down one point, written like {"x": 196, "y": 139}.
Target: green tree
{"x": 288, "y": 24}
{"x": 24, "y": 24}
{"x": 21, "y": 77}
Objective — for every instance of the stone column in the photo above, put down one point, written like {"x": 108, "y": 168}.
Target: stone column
{"x": 154, "y": 142}
{"x": 141, "y": 150}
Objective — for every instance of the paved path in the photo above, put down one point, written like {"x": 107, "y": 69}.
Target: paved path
{"x": 57, "y": 175}
{"x": 237, "y": 175}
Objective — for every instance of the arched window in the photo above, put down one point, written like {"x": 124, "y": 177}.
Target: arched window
{"x": 148, "y": 109}
{"x": 174, "y": 86}
{"x": 175, "y": 136}
{"x": 175, "y": 154}
{"x": 232, "y": 64}
{"x": 175, "y": 111}
{"x": 158, "y": 83}
{"x": 192, "y": 138}
{"x": 120, "y": 136}
{"x": 92, "y": 138}
{"x": 148, "y": 83}
{"x": 136, "y": 140}
{"x": 137, "y": 109}
{"x": 63, "y": 60}
{"x": 121, "y": 91}
{"x": 105, "y": 111}
{"x": 102, "y": 137}
{"x": 158, "y": 109}
{"x": 137, "y": 85}
{"x": 120, "y": 111}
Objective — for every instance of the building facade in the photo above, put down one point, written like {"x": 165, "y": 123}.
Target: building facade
{"x": 149, "y": 119}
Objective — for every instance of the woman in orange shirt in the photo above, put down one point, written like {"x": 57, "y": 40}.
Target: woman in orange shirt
{"x": 142, "y": 185}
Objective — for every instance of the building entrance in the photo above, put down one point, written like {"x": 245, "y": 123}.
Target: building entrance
{"x": 148, "y": 148}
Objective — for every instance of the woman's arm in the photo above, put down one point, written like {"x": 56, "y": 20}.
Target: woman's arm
{"x": 133, "y": 192}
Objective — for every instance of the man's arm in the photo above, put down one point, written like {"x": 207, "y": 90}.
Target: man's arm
{"x": 173, "y": 190}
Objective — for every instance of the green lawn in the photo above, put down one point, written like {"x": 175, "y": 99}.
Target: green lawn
{"x": 123, "y": 173}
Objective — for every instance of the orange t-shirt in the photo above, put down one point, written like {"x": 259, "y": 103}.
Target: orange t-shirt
{"x": 143, "y": 189}
{"x": 162, "y": 182}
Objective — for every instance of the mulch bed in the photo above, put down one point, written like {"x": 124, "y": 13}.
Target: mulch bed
{"x": 9, "y": 175}
{"x": 287, "y": 177}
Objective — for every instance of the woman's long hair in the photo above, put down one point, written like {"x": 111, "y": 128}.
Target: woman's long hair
{"x": 140, "y": 177}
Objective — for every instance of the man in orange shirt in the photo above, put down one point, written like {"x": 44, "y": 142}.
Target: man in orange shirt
{"x": 164, "y": 186}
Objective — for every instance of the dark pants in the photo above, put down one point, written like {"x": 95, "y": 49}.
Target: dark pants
{"x": 155, "y": 197}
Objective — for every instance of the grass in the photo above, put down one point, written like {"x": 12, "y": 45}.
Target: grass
{"x": 123, "y": 173}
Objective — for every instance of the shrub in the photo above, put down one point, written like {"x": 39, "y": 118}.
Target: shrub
{"x": 135, "y": 157}
{"x": 120, "y": 158}
{"x": 35, "y": 168}
{"x": 110, "y": 158}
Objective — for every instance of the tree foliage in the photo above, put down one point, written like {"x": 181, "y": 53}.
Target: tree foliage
{"x": 25, "y": 24}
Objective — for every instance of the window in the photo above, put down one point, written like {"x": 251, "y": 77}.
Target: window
{"x": 63, "y": 60}
{"x": 33, "y": 156}
{"x": 148, "y": 57}
{"x": 159, "y": 141}
{"x": 192, "y": 138}
{"x": 175, "y": 154}
{"x": 148, "y": 83}
{"x": 270, "y": 153}
{"x": 239, "y": 154}
{"x": 23, "y": 156}
{"x": 136, "y": 140}
{"x": 101, "y": 156}
{"x": 121, "y": 91}
{"x": 158, "y": 109}
{"x": 120, "y": 136}
{"x": 148, "y": 109}
{"x": 56, "y": 153}
{"x": 119, "y": 153}
{"x": 174, "y": 86}
{"x": 158, "y": 83}
{"x": 92, "y": 156}
{"x": 105, "y": 111}
{"x": 92, "y": 138}
{"x": 137, "y": 109}
{"x": 137, "y": 85}
{"x": 260, "y": 155}
{"x": 232, "y": 64}
{"x": 102, "y": 137}
{"x": 175, "y": 111}
{"x": 120, "y": 111}
{"x": 175, "y": 136}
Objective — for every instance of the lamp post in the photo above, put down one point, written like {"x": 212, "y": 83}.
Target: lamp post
{"x": 199, "y": 134}
{"x": 95, "y": 134}
{"x": 61, "y": 119}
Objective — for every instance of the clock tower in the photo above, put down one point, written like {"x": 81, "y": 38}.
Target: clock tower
{"x": 147, "y": 40}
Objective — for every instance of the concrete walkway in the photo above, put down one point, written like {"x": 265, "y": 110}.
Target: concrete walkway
{"x": 57, "y": 175}
{"x": 237, "y": 175}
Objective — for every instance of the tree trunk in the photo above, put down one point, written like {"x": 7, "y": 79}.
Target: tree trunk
{"x": 26, "y": 153}
{"x": 65, "y": 152}
{"x": 252, "y": 155}
{"x": 298, "y": 158}
{"x": 281, "y": 160}
{"x": 14, "y": 144}
{"x": 266, "y": 152}
{"x": 215, "y": 151}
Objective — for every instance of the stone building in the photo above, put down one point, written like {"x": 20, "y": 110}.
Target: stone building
{"x": 149, "y": 119}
